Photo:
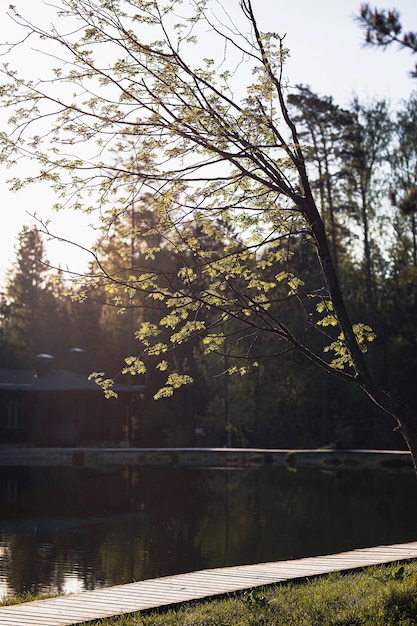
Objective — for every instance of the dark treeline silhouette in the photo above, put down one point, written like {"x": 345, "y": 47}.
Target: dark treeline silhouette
{"x": 363, "y": 167}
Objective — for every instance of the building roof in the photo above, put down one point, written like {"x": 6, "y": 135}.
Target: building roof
{"x": 54, "y": 380}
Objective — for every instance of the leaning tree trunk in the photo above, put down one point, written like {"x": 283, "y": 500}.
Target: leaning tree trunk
{"x": 397, "y": 409}
{"x": 307, "y": 206}
{"x": 363, "y": 378}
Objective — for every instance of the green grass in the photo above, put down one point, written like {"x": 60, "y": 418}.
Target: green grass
{"x": 26, "y": 597}
{"x": 377, "y": 596}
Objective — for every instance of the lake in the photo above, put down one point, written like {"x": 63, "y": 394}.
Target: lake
{"x": 74, "y": 529}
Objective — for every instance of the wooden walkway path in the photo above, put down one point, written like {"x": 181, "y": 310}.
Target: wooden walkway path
{"x": 159, "y": 592}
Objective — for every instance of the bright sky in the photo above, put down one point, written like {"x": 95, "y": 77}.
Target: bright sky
{"x": 327, "y": 53}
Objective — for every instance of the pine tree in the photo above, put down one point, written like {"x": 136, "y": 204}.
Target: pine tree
{"x": 31, "y": 300}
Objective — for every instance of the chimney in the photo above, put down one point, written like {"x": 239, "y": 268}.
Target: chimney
{"x": 43, "y": 364}
{"x": 77, "y": 359}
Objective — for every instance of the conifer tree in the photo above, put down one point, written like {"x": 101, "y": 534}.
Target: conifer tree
{"x": 384, "y": 27}
{"x": 30, "y": 298}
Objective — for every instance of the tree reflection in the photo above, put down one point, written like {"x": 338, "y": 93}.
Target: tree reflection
{"x": 84, "y": 529}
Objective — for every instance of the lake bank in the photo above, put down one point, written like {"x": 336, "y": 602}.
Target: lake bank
{"x": 205, "y": 457}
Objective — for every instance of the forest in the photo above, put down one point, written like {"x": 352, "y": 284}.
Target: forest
{"x": 255, "y": 267}
{"x": 362, "y": 165}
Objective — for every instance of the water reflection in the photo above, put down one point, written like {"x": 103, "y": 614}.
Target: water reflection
{"x": 65, "y": 529}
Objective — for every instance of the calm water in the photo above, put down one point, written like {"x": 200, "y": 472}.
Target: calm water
{"x": 75, "y": 529}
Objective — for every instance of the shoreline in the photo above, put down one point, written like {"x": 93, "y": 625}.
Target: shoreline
{"x": 206, "y": 458}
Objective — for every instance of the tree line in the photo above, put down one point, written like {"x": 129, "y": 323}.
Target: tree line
{"x": 362, "y": 162}
{"x": 242, "y": 222}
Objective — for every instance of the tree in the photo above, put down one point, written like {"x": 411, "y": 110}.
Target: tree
{"x": 366, "y": 140}
{"x": 384, "y": 28}
{"x": 403, "y": 159}
{"x": 134, "y": 245}
{"x": 34, "y": 311}
{"x": 321, "y": 124}
{"x": 205, "y": 150}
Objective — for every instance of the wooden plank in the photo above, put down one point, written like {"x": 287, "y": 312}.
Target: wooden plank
{"x": 159, "y": 592}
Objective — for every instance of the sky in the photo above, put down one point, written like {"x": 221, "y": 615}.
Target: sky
{"x": 326, "y": 53}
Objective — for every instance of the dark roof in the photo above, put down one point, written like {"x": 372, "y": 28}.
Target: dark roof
{"x": 54, "y": 380}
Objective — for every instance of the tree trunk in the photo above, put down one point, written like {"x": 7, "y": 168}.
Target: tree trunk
{"x": 399, "y": 411}
{"x": 382, "y": 398}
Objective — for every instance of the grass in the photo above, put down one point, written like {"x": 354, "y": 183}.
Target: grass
{"x": 26, "y": 597}
{"x": 376, "y": 596}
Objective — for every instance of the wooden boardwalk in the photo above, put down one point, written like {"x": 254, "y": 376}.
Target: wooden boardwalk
{"x": 162, "y": 592}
